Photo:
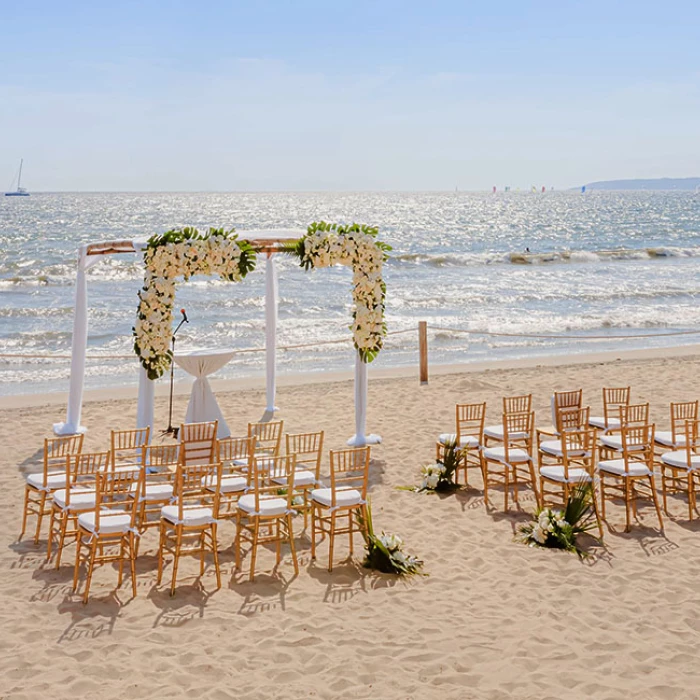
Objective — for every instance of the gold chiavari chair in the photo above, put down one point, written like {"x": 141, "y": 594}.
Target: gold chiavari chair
{"x": 236, "y": 457}
{"x": 679, "y": 468}
{"x": 108, "y": 533}
{"x": 264, "y": 514}
{"x": 40, "y": 486}
{"x": 632, "y": 415}
{"x": 126, "y": 446}
{"x": 511, "y": 462}
{"x": 568, "y": 420}
{"x": 511, "y": 404}
{"x": 188, "y": 527}
{"x": 268, "y": 437}
{"x": 562, "y": 402}
{"x": 613, "y": 398}
{"x": 468, "y": 438}
{"x": 573, "y": 464}
{"x": 630, "y": 472}
{"x": 308, "y": 448}
{"x": 345, "y": 498}
{"x": 160, "y": 463}
{"x": 198, "y": 442}
{"x": 675, "y": 438}
{"x": 78, "y": 497}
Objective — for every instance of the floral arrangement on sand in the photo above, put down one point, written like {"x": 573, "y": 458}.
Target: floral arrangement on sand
{"x": 440, "y": 476}
{"x": 385, "y": 552}
{"x": 559, "y": 529}
{"x": 180, "y": 253}
{"x": 355, "y": 246}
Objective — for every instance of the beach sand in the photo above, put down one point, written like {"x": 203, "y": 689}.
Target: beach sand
{"x": 494, "y": 619}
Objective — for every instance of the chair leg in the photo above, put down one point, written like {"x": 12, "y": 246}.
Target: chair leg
{"x": 237, "y": 542}
{"x": 350, "y": 533}
{"x": 663, "y": 488}
{"x": 331, "y": 542}
{"x": 627, "y": 503}
{"x": 594, "y": 498}
{"x": 25, "y": 512}
{"x": 133, "y": 540}
{"x": 254, "y": 548}
{"x": 505, "y": 490}
{"x": 178, "y": 544}
{"x": 313, "y": 531}
{"x": 485, "y": 471}
{"x": 656, "y": 501}
{"x": 40, "y": 516}
{"x": 215, "y": 552}
{"x": 690, "y": 495}
{"x": 76, "y": 569}
{"x": 161, "y": 552}
{"x": 292, "y": 548}
{"x": 91, "y": 567}
{"x": 602, "y": 496}
{"x": 62, "y": 537}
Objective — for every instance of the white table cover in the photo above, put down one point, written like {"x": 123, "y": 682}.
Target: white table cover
{"x": 203, "y": 405}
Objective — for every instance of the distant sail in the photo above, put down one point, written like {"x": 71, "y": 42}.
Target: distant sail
{"x": 544, "y": 189}
{"x": 583, "y": 189}
{"x": 494, "y": 189}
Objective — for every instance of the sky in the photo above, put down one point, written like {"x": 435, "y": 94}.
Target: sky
{"x": 336, "y": 95}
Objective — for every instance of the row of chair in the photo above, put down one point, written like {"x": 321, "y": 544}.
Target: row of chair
{"x": 619, "y": 451}
{"x": 105, "y": 501}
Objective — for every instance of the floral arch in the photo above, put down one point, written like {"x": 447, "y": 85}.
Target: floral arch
{"x": 187, "y": 252}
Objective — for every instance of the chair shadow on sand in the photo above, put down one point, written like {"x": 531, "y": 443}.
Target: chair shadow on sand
{"x": 348, "y": 579}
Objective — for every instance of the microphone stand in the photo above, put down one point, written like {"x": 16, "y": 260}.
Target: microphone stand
{"x": 170, "y": 430}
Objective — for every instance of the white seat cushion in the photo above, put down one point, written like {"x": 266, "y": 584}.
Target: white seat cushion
{"x": 599, "y": 422}
{"x": 556, "y": 473}
{"x": 191, "y": 516}
{"x": 155, "y": 492}
{"x": 111, "y": 522}
{"x": 344, "y": 497}
{"x": 302, "y": 477}
{"x": 55, "y": 480}
{"x": 617, "y": 466}
{"x": 230, "y": 483}
{"x": 496, "y": 432}
{"x": 498, "y": 454}
{"x": 464, "y": 441}
{"x": 614, "y": 442}
{"x": 665, "y": 437}
{"x": 268, "y": 505}
{"x": 679, "y": 459}
{"x": 80, "y": 499}
{"x": 554, "y": 448}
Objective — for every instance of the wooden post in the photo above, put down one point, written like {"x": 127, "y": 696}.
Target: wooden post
{"x": 423, "y": 350}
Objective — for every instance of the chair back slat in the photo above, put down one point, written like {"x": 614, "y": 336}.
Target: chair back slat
{"x": 161, "y": 456}
{"x": 563, "y": 401}
{"x": 84, "y": 466}
{"x": 308, "y": 448}
{"x": 517, "y": 432}
{"x": 126, "y": 446}
{"x": 198, "y": 442}
{"x": 58, "y": 453}
{"x": 264, "y": 472}
{"x": 268, "y": 436}
{"x": 691, "y": 430}
{"x": 517, "y": 404}
{"x": 680, "y": 413}
{"x": 193, "y": 486}
{"x": 634, "y": 414}
{"x": 350, "y": 470}
{"x": 572, "y": 419}
{"x": 638, "y": 444}
{"x": 469, "y": 421}
{"x": 113, "y": 489}
{"x": 578, "y": 448}
{"x": 235, "y": 448}
{"x": 613, "y": 398}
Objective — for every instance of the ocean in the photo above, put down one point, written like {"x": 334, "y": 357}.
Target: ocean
{"x": 601, "y": 264}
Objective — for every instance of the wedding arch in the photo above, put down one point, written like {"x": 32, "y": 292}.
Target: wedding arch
{"x": 182, "y": 253}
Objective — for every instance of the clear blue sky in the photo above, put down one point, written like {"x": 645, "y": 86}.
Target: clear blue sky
{"x": 342, "y": 95}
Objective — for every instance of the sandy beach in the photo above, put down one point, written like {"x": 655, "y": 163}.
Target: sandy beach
{"x": 494, "y": 619}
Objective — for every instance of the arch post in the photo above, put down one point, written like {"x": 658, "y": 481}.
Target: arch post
{"x": 360, "y": 438}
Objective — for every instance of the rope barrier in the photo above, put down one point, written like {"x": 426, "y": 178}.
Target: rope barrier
{"x": 299, "y": 346}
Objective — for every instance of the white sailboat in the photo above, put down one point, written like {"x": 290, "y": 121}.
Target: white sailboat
{"x": 20, "y": 191}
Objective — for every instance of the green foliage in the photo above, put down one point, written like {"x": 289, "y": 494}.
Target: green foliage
{"x": 558, "y": 529}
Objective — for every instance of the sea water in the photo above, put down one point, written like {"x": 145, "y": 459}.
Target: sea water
{"x": 599, "y": 264}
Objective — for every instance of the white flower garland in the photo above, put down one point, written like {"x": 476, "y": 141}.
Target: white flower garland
{"x": 357, "y": 247}
{"x": 180, "y": 253}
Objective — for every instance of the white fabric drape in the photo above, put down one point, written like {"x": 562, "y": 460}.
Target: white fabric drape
{"x": 271, "y": 302}
{"x": 361, "y": 383}
{"x": 71, "y": 426}
{"x": 147, "y": 392}
{"x": 203, "y": 405}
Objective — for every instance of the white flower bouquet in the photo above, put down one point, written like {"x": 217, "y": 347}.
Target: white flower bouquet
{"x": 559, "y": 529}
{"x": 180, "y": 253}
{"x": 385, "y": 552}
{"x": 440, "y": 476}
{"x": 354, "y": 246}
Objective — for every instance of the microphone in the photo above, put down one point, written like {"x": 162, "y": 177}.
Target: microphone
{"x": 184, "y": 316}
